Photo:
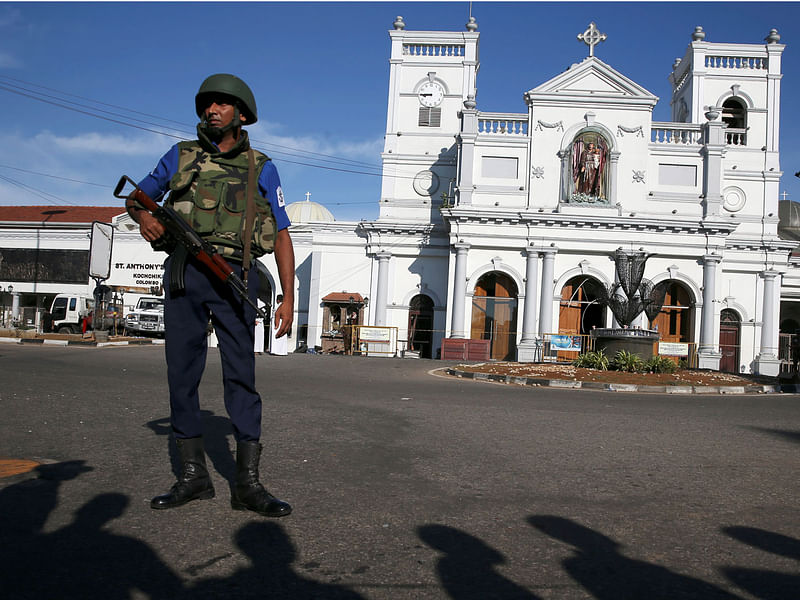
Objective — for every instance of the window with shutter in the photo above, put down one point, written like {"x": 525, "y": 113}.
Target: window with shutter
{"x": 430, "y": 117}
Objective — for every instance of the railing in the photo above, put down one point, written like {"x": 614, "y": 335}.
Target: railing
{"x": 433, "y": 50}
{"x": 736, "y": 62}
{"x": 736, "y": 137}
{"x": 682, "y": 134}
{"x": 787, "y": 349}
{"x": 502, "y": 124}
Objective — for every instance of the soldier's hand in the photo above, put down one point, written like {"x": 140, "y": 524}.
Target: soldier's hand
{"x": 150, "y": 227}
{"x": 284, "y": 316}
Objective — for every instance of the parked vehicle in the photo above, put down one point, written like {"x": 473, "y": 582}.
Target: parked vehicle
{"x": 147, "y": 318}
{"x": 71, "y": 313}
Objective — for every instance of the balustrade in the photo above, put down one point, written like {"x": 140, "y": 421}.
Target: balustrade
{"x": 736, "y": 62}
{"x": 736, "y": 137}
{"x": 676, "y": 133}
{"x": 433, "y": 50}
{"x": 502, "y": 125}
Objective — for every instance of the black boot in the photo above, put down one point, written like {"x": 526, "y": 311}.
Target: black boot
{"x": 193, "y": 483}
{"x": 248, "y": 493}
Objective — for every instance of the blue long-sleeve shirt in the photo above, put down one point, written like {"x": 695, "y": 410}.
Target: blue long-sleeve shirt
{"x": 156, "y": 184}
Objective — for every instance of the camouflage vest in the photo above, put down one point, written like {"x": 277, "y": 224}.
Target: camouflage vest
{"x": 209, "y": 191}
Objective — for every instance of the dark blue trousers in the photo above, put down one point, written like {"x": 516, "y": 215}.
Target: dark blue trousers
{"x": 186, "y": 317}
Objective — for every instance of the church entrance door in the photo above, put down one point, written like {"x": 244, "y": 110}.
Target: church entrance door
{"x": 494, "y": 314}
{"x": 420, "y": 325}
{"x": 729, "y": 341}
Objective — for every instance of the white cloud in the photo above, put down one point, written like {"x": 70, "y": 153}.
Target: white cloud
{"x": 105, "y": 144}
{"x": 267, "y": 135}
{"x": 7, "y": 61}
{"x": 9, "y": 16}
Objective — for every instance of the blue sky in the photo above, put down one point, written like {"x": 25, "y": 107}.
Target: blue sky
{"x": 320, "y": 74}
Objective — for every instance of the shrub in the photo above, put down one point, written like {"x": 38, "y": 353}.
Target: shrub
{"x": 661, "y": 364}
{"x": 592, "y": 360}
{"x": 628, "y": 362}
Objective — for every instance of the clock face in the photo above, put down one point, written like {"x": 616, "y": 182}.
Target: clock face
{"x": 431, "y": 94}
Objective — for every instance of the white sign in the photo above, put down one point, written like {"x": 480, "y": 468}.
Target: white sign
{"x": 135, "y": 264}
{"x": 673, "y": 348}
{"x": 375, "y": 334}
{"x": 100, "y": 250}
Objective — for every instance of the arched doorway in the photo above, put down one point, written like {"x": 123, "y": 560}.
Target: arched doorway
{"x": 734, "y": 115}
{"x": 580, "y": 308}
{"x": 420, "y": 325}
{"x": 729, "y": 336}
{"x": 674, "y": 322}
{"x": 494, "y": 314}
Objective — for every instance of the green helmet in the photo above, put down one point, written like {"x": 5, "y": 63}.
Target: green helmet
{"x": 224, "y": 83}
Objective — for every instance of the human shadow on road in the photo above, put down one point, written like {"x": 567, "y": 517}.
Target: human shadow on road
{"x": 596, "y": 564}
{"x": 80, "y": 560}
{"x": 786, "y": 434}
{"x": 25, "y": 506}
{"x": 270, "y": 576}
{"x": 468, "y": 570}
{"x": 762, "y": 583}
{"x": 216, "y": 430}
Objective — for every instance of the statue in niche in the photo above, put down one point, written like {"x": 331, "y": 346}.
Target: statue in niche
{"x": 589, "y": 154}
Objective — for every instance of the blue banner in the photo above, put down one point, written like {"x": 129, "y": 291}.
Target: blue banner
{"x": 565, "y": 342}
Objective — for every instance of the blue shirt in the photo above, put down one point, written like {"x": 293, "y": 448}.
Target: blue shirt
{"x": 156, "y": 184}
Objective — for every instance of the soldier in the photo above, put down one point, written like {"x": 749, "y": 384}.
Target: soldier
{"x": 211, "y": 182}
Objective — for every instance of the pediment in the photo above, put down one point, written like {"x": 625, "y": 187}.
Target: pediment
{"x": 124, "y": 222}
{"x": 592, "y": 78}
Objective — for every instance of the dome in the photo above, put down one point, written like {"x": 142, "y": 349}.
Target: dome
{"x": 307, "y": 211}
{"x": 789, "y": 225}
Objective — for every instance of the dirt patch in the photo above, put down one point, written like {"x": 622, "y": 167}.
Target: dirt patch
{"x": 89, "y": 337}
{"x": 567, "y": 372}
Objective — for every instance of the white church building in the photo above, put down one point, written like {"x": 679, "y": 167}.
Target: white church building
{"x": 503, "y": 227}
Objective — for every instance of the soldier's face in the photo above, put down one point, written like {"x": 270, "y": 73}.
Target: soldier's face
{"x": 219, "y": 112}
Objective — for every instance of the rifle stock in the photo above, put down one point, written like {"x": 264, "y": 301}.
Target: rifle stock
{"x": 183, "y": 233}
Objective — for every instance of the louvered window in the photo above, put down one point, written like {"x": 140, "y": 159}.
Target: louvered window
{"x": 430, "y": 117}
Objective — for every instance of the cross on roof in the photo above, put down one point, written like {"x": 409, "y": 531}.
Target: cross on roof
{"x": 784, "y": 194}
{"x": 591, "y": 37}
{"x": 308, "y": 196}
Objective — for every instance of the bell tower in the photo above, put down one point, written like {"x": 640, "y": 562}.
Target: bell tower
{"x": 741, "y": 81}
{"x": 431, "y": 75}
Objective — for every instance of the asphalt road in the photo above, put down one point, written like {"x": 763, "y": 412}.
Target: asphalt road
{"x": 404, "y": 485}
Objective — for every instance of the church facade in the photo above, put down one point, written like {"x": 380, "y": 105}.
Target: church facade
{"x": 504, "y": 226}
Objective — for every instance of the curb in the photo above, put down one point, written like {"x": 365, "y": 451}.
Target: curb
{"x": 7, "y": 340}
{"x": 626, "y": 387}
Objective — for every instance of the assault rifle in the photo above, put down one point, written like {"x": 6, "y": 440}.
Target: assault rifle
{"x": 187, "y": 237}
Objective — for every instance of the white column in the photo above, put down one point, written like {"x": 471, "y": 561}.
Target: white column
{"x": 769, "y": 344}
{"x": 708, "y": 356}
{"x": 529, "y": 308}
{"x": 383, "y": 287}
{"x": 459, "y": 292}
{"x": 546, "y": 302}
{"x": 710, "y": 262}
{"x": 527, "y": 349}
{"x": 767, "y": 362}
